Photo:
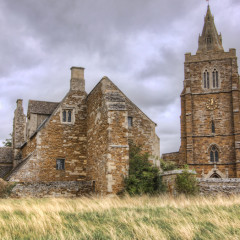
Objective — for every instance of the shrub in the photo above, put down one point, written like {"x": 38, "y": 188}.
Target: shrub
{"x": 143, "y": 176}
{"x": 186, "y": 183}
{"x": 5, "y": 188}
{"x": 167, "y": 166}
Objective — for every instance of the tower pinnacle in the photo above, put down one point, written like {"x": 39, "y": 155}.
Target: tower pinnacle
{"x": 210, "y": 40}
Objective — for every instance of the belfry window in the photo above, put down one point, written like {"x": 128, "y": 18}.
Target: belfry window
{"x": 206, "y": 79}
{"x": 214, "y": 154}
{"x": 215, "y": 78}
{"x": 213, "y": 127}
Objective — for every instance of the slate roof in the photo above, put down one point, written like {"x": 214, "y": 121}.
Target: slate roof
{"x": 41, "y": 107}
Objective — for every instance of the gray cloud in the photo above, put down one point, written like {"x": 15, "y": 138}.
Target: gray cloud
{"x": 138, "y": 44}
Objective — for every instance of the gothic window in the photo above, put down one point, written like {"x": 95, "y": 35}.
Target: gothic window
{"x": 206, "y": 79}
{"x": 60, "y": 164}
{"x": 130, "y": 121}
{"x": 215, "y": 78}
{"x": 214, "y": 154}
{"x": 67, "y": 115}
{"x": 213, "y": 127}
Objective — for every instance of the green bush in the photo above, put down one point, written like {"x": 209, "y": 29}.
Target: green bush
{"x": 167, "y": 166}
{"x": 143, "y": 178}
{"x": 5, "y": 188}
{"x": 186, "y": 183}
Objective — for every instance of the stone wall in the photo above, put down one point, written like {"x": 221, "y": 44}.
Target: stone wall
{"x": 197, "y": 113}
{"x": 169, "y": 178}
{"x": 97, "y": 138}
{"x": 107, "y": 138}
{"x": 58, "y": 140}
{"x": 6, "y": 160}
{"x": 171, "y": 157}
{"x": 19, "y": 126}
{"x": 53, "y": 189}
{"x": 213, "y": 186}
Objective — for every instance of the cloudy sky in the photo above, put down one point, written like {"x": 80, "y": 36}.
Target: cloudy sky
{"x": 138, "y": 44}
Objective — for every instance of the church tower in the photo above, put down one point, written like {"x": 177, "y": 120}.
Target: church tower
{"x": 210, "y": 100}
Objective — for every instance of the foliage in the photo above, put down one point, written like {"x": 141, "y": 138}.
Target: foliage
{"x": 143, "y": 178}
{"x": 186, "y": 183}
{"x": 5, "y": 188}
{"x": 8, "y": 142}
{"x": 168, "y": 166}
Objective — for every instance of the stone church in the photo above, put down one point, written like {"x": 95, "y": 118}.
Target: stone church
{"x": 84, "y": 138}
{"x": 210, "y": 101}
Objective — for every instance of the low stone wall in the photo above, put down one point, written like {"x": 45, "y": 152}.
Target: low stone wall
{"x": 214, "y": 186}
{"x": 53, "y": 189}
{"x": 171, "y": 157}
{"x": 169, "y": 178}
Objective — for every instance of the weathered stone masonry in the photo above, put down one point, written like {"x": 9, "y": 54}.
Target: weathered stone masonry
{"x": 210, "y": 126}
{"x": 92, "y": 142}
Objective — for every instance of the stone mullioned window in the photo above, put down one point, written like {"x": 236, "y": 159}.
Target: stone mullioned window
{"x": 210, "y": 80}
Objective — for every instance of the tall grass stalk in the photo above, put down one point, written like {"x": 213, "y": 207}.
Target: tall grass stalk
{"x": 144, "y": 217}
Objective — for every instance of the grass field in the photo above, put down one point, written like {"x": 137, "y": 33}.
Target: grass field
{"x": 144, "y": 217}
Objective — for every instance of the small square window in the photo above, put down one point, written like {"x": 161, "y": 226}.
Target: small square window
{"x": 60, "y": 164}
{"x": 67, "y": 115}
{"x": 130, "y": 121}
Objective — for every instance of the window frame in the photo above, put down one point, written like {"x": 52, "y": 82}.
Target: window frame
{"x": 61, "y": 160}
{"x": 130, "y": 120}
{"x": 64, "y": 115}
{"x": 214, "y": 154}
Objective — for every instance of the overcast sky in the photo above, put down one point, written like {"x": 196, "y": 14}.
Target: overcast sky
{"x": 138, "y": 44}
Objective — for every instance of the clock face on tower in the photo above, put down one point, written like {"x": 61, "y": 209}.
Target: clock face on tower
{"x": 212, "y": 104}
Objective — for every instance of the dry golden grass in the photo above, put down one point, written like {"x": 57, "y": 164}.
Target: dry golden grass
{"x": 161, "y": 217}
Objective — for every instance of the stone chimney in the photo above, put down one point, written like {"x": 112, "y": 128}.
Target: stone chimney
{"x": 19, "y": 125}
{"x": 77, "y": 79}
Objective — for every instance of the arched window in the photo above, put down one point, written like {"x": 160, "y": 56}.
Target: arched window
{"x": 213, "y": 127}
{"x": 215, "y": 78}
{"x": 214, "y": 154}
{"x": 206, "y": 79}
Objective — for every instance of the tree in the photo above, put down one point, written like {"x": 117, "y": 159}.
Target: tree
{"x": 8, "y": 142}
{"x": 143, "y": 176}
{"x": 186, "y": 183}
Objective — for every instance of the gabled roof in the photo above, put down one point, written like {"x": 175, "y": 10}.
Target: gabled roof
{"x": 41, "y": 107}
{"x": 116, "y": 87}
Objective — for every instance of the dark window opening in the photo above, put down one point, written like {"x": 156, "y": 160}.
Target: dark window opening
{"x": 215, "y": 78}
{"x": 215, "y": 175}
{"x": 69, "y": 115}
{"x": 130, "y": 121}
{"x": 213, "y": 127}
{"x": 207, "y": 79}
{"x": 64, "y": 116}
{"x": 60, "y": 164}
{"x": 214, "y": 154}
